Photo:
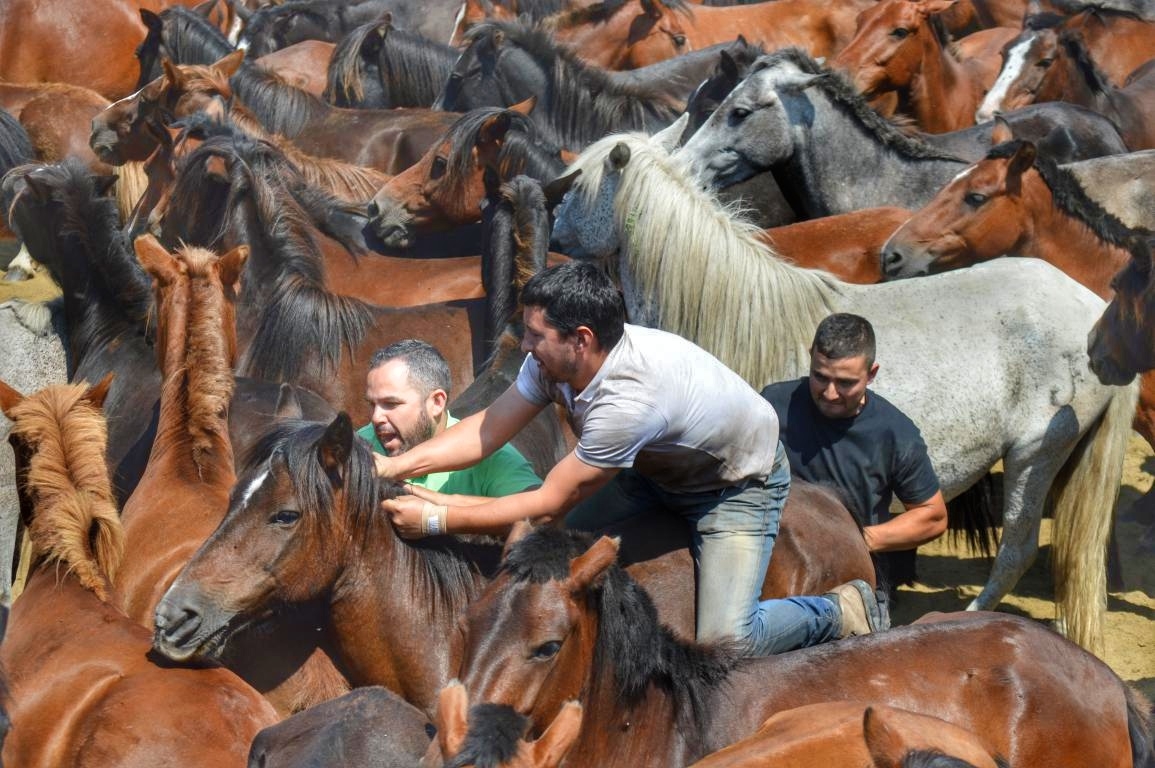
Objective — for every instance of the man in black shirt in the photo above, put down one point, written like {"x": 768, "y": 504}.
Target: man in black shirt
{"x": 838, "y": 433}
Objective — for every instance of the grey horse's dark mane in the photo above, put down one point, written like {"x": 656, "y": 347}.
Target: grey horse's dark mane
{"x": 839, "y": 89}
{"x": 1071, "y": 198}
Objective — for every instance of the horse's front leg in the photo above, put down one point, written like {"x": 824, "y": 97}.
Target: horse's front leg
{"x": 1025, "y": 486}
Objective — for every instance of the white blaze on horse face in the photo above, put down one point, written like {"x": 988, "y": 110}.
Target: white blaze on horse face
{"x": 1011, "y": 71}
{"x": 458, "y": 30}
{"x": 253, "y": 487}
{"x": 963, "y": 174}
{"x": 130, "y": 97}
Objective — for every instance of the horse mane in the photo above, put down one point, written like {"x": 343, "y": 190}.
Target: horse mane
{"x": 92, "y": 221}
{"x": 1076, "y": 48}
{"x": 208, "y": 364}
{"x": 719, "y": 262}
{"x": 639, "y": 651}
{"x": 519, "y": 154}
{"x": 279, "y": 106}
{"x": 75, "y": 521}
{"x": 587, "y": 101}
{"x": 492, "y": 738}
{"x": 1044, "y": 20}
{"x": 603, "y": 11}
{"x": 451, "y": 576}
{"x": 15, "y": 144}
{"x": 841, "y": 91}
{"x": 268, "y": 15}
{"x": 932, "y": 758}
{"x": 343, "y": 80}
{"x": 517, "y": 245}
{"x": 413, "y": 68}
{"x": 1071, "y": 198}
{"x": 191, "y": 38}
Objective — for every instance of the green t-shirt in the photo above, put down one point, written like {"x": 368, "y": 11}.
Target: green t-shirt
{"x": 504, "y": 472}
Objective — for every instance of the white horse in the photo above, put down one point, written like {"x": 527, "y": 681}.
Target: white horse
{"x": 990, "y": 362}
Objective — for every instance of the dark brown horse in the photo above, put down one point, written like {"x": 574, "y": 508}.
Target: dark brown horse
{"x": 1122, "y": 343}
{"x": 84, "y": 689}
{"x": 563, "y": 621}
{"x": 842, "y": 733}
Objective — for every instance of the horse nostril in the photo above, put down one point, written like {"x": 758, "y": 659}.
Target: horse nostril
{"x": 373, "y": 210}
{"x": 891, "y": 259}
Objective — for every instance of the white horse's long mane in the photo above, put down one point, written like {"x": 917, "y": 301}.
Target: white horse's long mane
{"x": 703, "y": 267}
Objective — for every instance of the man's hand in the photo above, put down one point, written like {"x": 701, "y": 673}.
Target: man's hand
{"x": 405, "y": 512}
{"x": 383, "y": 466}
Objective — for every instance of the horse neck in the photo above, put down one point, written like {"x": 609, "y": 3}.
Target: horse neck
{"x": 196, "y": 359}
{"x": 383, "y": 587}
{"x": 1069, "y": 243}
{"x": 834, "y": 146}
{"x": 939, "y": 83}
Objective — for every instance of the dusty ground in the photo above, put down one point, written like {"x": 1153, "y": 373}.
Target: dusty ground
{"x": 951, "y": 578}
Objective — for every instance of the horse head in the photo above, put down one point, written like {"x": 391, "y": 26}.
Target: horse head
{"x": 305, "y": 489}
{"x": 890, "y": 45}
{"x": 1122, "y": 342}
{"x": 1027, "y": 61}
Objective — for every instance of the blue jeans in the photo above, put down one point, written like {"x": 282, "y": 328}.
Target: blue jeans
{"x": 732, "y": 538}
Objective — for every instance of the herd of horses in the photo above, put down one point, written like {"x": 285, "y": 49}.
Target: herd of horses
{"x": 240, "y": 201}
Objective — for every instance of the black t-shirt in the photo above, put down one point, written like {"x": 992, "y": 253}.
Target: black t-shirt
{"x": 870, "y": 457}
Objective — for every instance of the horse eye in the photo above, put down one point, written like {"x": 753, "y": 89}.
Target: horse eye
{"x": 901, "y": 33}
{"x": 1044, "y": 62}
{"x": 739, "y": 114}
{"x": 547, "y": 650}
{"x": 975, "y": 199}
{"x": 679, "y": 40}
{"x": 438, "y": 168}
{"x": 285, "y": 517}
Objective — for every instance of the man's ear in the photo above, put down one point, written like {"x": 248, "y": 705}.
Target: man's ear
{"x": 439, "y": 398}
{"x": 872, "y": 372}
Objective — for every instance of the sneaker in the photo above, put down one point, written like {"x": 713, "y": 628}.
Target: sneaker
{"x": 859, "y": 609}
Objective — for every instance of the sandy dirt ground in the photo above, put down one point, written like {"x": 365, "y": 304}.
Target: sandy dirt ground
{"x": 951, "y": 577}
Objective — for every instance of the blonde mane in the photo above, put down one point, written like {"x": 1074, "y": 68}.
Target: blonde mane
{"x": 702, "y": 266}
{"x": 75, "y": 521}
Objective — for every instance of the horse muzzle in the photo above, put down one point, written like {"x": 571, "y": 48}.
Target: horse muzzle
{"x": 186, "y": 630}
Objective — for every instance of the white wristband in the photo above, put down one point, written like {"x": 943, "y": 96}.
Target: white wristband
{"x": 433, "y": 519}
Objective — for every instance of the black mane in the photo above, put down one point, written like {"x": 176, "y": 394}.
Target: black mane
{"x": 640, "y": 652}
{"x": 1072, "y": 199}
{"x": 491, "y": 741}
{"x": 1076, "y": 48}
{"x": 932, "y": 758}
{"x": 15, "y": 145}
{"x": 411, "y": 69}
{"x": 190, "y": 38}
{"x": 601, "y": 12}
{"x": 842, "y": 92}
{"x": 279, "y": 107}
{"x": 520, "y": 152}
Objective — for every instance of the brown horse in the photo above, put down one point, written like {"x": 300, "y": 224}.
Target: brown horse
{"x": 306, "y": 514}
{"x": 1122, "y": 343}
{"x": 628, "y": 34}
{"x": 562, "y": 621}
{"x": 84, "y": 689}
{"x": 847, "y": 245}
{"x": 493, "y": 736}
{"x": 1058, "y": 66}
{"x": 842, "y": 733}
{"x": 902, "y": 47}
{"x": 446, "y": 187}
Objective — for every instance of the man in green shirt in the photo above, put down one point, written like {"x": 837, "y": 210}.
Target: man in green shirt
{"x": 407, "y": 389}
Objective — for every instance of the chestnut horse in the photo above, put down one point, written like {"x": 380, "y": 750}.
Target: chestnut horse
{"x": 306, "y": 512}
{"x": 1122, "y": 343}
{"x": 847, "y": 245}
{"x": 563, "y": 621}
{"x": 842, "y": 733}
{"x": 492, "y": 736}
{"x": 902, "y": 47}
{"x": 628, "y": 34}
{"x": 1065, "y": 71}
{"x": 84, "y": 689}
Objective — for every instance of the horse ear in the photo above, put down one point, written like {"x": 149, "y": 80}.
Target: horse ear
{"x": 493, "y": 129}
{"x": 1021, "y": 162}
{"x": 885, "y": 746}
{"x": 9, "y": 399}
{"x": 99, "y": 393}
{"x": 588, "y": 567}
{"x": 103, "y": 182}
{"x": 231, "y": 265}
{"x": 452, "y": 718}
{"x": 216, "y": 168}
{"x": 651, "y": 9}
{"x": 556, "y": 189}
{"x": 524, "y": 107}
{"x": 205, "y": 9}
{"x": 288, "y": 404}
{"x": 518, "y": 532}
{"x": 151, "y": 21}
{"x": 728, "y": 66}
{"x": 1001, "y": 131}
{"x": 937, "y": 6}
{"x": 157, "y": 261}
{"x": 559, "y": 737}
{"x": 41, "y": 191}
{"x": 668, "y": 137}
{"x": 172, "y": 74}
{"x": 335, "y": 446}
{"x": 229, "y": 65}
{"x": 619, "y": 156}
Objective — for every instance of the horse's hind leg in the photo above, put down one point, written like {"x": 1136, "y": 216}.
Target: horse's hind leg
{"x": 1025, "y": 486}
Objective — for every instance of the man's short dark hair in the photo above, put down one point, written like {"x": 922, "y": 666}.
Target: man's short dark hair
{"x": 427, "y": 367}
{"x": 578, "y": 293}
{"x": 845, "y": 335}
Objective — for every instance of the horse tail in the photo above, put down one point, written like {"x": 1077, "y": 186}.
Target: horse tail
{"x": 1139, "y": 728}
{"x": 974, "y": 516}
{"x": 1084, "y": 496}
{"x": 343, "y": 86}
